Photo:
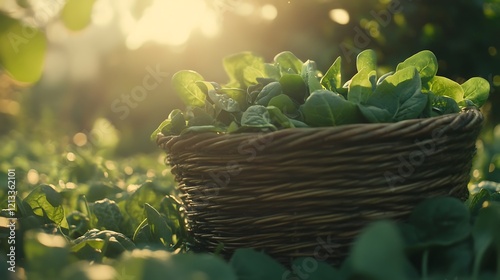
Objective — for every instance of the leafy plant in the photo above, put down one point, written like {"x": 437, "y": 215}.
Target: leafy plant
{"x": 290, "y": 93}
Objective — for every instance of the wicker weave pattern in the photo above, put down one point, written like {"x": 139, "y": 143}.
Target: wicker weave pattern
{"x": 287, "y": 190}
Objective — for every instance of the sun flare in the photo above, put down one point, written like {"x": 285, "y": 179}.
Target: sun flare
{"x": 172, "y": 22}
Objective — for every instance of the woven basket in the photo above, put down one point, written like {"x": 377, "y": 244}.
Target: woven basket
{"x": 309, "y": 191}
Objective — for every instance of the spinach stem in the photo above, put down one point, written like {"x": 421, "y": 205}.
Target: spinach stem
{"x": 425, "y": 265}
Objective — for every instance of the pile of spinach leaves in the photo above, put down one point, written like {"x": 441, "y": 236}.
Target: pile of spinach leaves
{"x": 290, "y": 93}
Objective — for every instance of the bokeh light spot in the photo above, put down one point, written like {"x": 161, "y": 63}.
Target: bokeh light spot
{"x": 496, "y": 80}
{"x": 128, "y": 170}
{"x": 269, "y": 12}
{"x": 492, "y": 51}
{"x": 70, "y": 156}
{"x": 33, "y": 177}
{"x": 80, "y": 139}
{"x": 339, "y": 16}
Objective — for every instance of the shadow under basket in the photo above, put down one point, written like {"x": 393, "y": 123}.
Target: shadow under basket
{"x": 309, "y": 191}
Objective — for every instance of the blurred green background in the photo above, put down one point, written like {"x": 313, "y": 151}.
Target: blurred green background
{"x": 79, "y": 74}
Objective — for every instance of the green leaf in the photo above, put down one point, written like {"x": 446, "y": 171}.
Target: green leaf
{"x": 293, "y": 85}
{"x": 425, "y": 62}
{"x": 312, "y": 269}
{"x": 476, "y": 90}
{"x": 22, "y": 50}
{"x": 160, "y": 231}
{"x": 237, "y": 95}
{"x": 208, "y": 86}
{"x": 267, "y": 93}
{"x": 361, "y": 86}
{"x": 185, "y": 84}
{"x": 485, "y": 233}
{"x": 442, "y": 86}
{"x": 171, "y": 126}
{"x": 47, "y": 202}
{"x": 243, "y": 69}
{"x": 272, "y": 71}
{"x": 442, "y": 105}
{"x": 257, "y": 116}
{"x": 46, "y": 254}
{"x": 400, "y": 94}
{"x": 76, "y": 14}
{"x": 332, "y": 80}
{"x": 453, "y": 261}
{"x": 284, "y": 103}
{"x": 475, "y": 201}
{"x": 199, "y": 117}
{"x": 378, "y": 253}
{"x": 171, "y": 207}
{"x": 134, "y": 205}
{"x": 326, "y": 108}
{"x": 223, "y": 102}
{"x": 252, "y": 265}
{"x": 278, "y": 118}
{"x": 288, "y": 63}
{"x": 440, "y": 221}
{"x": 383, "y": 77}
{"x": 367, "y": 59}
{"x": 148, "y": 264}
{"x": 375, "y": 114}
{"x": 309, "y": 74}
{"x": 108, "y": 214}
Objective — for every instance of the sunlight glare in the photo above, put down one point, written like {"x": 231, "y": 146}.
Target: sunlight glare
{"x": 103, "y": 13}
{"x": 172, "y": 22}
{"x": 244, "y": 9}
{"x": 269, "y": 12}
{"x": 340, "y": 16}
{"x": 210, "y": 26}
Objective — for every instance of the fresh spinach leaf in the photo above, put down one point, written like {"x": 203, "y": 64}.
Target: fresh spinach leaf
{"x": 278, "y": 118}
{"x": 288, "y": 63}
{"x": 311, "y": 269}
{"x": 383, "y": 77}
{"x": 185, "y": 84}
{"x": 267, "y": 93}
{"x": 171, "y": 126}
{"x": 476, "y": 90}
{"x": 399, "y": 94}
{"x": 237, "y": 95}
{"x": 310, "y": 76}
{"x": 47, "y": 203}
{"x": 272, "y": 71}
{"x": 293, "y": 85}
{"x": 442, "y": 105}
{"x": 199, "y": 117}
{"x": 361, "y": 86}
{"x": 223, "y": 101}
{"x": 326, "y": 108}
{"x": 425, "y": 62}
{"x": 285, "y": 104}
{"x": 366, "y": 59}
{"x": 442, "y": 86}
{"x": 243, "y": 69}
{"x": 440, "y": 221}
{"x": 375, "y": 114}
{"x": 257, "y": 117}
{"x": 486, "y": 234}
{"x": 160, "y": 231}
{"x": 246, "y": 261}
{"x": 378, "y": 253}
{"x": 332, "y": 80}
